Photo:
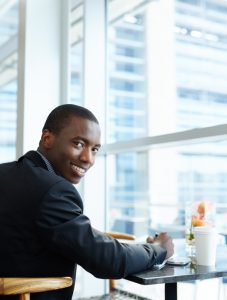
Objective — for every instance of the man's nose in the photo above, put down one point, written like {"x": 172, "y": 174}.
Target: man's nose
{"x": 87, "y": 156}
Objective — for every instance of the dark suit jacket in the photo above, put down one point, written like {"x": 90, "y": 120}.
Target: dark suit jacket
{"x": 44, "y": 232}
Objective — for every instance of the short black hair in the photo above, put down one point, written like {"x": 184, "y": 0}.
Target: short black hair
{"x": 60, "y": 116}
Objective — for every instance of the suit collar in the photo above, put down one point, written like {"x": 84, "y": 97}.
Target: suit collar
{"x": 35, "y": 158}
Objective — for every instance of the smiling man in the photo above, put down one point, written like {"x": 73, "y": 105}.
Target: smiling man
{"x": 70, "y": 142}
{"x": 42, "y": 226}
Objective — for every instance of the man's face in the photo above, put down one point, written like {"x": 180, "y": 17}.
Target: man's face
{"x": 72, "y": 151}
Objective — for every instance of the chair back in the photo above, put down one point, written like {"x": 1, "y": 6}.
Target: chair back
{"x": 25, "y": 286}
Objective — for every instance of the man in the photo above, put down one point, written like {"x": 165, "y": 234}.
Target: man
{"x": 42, "y": 226}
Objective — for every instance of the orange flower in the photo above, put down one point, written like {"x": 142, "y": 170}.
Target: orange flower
{"x": 201, "y": 209}
{"x": 197, "y": 221}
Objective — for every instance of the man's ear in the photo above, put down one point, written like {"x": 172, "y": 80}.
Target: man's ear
{"x": 47, "y": 139}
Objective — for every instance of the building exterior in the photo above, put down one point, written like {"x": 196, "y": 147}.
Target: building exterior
{"x": 190, "y": 62}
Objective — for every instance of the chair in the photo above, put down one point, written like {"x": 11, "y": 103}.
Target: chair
{"x": 120, "y": 236}
{"x": 25, "y": 286}
{"x": 115, "y": 293}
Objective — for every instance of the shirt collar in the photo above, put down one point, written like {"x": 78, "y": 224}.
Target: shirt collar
{"x": 48, "y": 164}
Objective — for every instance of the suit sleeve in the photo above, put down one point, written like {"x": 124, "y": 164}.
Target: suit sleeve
{"x": 64, "y": 228}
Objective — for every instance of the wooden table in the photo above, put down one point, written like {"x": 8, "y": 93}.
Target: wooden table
{"x": 171, "y": 275}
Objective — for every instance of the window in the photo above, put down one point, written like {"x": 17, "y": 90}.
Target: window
{"x": 76, "y": 51}
{"x": 167, "y": 85}
{"x": 8, "y": 79}
{"x": 165, "y": 109}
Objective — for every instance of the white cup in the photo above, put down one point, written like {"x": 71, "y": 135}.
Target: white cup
{"x": 205, "y": 245}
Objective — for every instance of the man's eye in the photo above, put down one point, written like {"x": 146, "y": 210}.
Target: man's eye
{"x": 95, "y": 150}
{"x": 78, "y": 145}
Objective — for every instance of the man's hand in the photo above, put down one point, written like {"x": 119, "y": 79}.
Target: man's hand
{"x": 165, "y": 241}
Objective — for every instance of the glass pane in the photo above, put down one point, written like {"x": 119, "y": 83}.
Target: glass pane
{"x": 167, "y": 66}
{"x": 8, "y": 78}
{"x": 76, "y": 43}
{"x": 149, "y": 191}
{"x": 76, "y": 85}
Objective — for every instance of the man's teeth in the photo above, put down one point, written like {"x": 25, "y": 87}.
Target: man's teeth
{"x": 78, "y": 169}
